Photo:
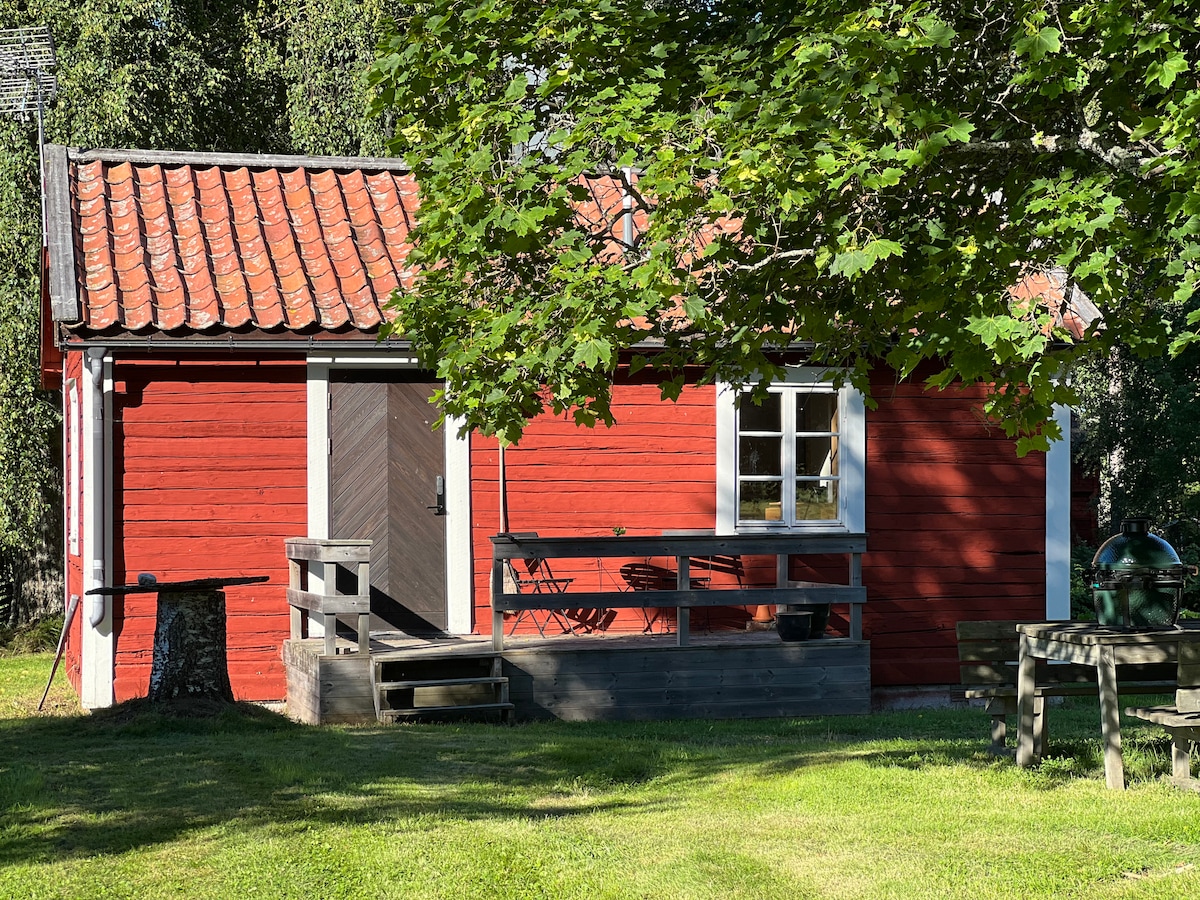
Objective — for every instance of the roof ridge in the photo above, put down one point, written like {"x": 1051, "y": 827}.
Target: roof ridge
{"x": 249, "y": 160}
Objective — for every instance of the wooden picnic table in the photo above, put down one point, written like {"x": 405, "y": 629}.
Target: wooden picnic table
{"x": 1104, "y": 647}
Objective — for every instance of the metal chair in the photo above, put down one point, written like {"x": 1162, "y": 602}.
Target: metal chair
{"x": 644, "y": 576}
{"x": 538, "y": 578}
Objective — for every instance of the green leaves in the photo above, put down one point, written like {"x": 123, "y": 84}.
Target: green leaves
{"x": 857, "y": 260}
{"x": 1037, "y": 45}
{"x": 718, "y": 180}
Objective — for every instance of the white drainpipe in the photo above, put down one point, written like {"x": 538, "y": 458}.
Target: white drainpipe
{"x": 97, "y": 645}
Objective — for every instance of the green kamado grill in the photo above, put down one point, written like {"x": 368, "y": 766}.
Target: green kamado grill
{"x": 1136, "y": 578}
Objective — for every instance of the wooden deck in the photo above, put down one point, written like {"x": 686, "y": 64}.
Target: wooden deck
{"x": 597, "y": 677}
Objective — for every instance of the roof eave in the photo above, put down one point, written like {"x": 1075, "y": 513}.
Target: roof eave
{"x": 64, "y": 295}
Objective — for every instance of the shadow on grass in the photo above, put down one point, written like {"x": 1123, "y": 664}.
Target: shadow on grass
{"x": 134, "y": 776}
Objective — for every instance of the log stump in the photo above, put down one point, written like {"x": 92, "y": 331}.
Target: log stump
{"x": 189, "y": 647}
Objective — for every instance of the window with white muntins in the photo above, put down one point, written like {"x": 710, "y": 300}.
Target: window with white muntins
{"x": 795, "y": 462}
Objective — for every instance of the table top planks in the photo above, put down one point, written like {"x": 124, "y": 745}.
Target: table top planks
{"x": 1092, "y": 634}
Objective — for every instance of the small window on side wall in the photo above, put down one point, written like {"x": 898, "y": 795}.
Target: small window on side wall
{"x": 793, "y": 462}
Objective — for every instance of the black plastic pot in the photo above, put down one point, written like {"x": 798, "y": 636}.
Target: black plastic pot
{"x": 793, "y": 626}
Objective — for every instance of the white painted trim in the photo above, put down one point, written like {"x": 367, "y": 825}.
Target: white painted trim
{"x": 460, "y": 571}
{"x": 71, "y": 458}
{"x": 726, "y": 459}
{"x": 852, "y": 449}
{"x": 318, "y": 449}
{"x": 362, "y": 361}
{"x": 1058, "y": 520}
{"x": 97, "y": 649}
{"x": 318, "y": 477}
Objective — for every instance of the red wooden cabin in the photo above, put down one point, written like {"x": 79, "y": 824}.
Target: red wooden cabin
{"x": 223, "y": 390}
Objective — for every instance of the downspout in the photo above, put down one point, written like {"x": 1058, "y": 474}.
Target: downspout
{"x": 95, "y": 367}
{"x": 97, "y": 649}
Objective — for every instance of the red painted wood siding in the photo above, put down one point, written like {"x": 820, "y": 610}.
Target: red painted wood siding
{"x": 957, "y": 529}
{"x": 654, "y": 470}
{"x": 210, "y": 460}
{"x": 955, "y": 519}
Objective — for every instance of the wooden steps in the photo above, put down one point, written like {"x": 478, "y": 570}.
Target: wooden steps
{"x": 443, "y": 683}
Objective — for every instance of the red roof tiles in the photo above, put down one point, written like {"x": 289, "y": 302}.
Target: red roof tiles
{"x": 177, "y": 247}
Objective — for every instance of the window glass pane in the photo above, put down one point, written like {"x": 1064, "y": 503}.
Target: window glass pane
{"x": 760, "y": 500}
{"x": 816, "y": 412}
{"x": 816, "y": 456}
{"x": 816, "y": 500}
{"x": 759, "y": 456}
{"x": 761, "y": 418}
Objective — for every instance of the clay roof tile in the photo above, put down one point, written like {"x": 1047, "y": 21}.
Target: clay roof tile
{"x": 164, "y": 244}
{"x": 137, "y": 307}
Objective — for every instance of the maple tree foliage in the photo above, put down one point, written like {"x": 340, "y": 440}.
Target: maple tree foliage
{"x": 873, "y": 179}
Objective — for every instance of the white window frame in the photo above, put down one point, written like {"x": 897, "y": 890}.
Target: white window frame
{"x": 852, "y": 444}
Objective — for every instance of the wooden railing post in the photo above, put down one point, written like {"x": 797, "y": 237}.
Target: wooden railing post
{"x": 497, "y": 611}
{"x": 856, "y": 608}
{"x": 683, "y": 614}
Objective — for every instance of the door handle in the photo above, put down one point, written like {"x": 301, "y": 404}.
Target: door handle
{"x": 439, "y": 507}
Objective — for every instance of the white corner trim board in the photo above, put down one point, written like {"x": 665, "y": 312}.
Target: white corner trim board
{"x": 1058, "y": 520}
{"x": 459, "y": 552}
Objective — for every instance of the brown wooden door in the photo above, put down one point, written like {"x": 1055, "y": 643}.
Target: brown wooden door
{"x": 385, "y": 461}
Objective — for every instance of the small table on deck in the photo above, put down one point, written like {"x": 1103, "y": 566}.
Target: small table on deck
{"x": 1104, "y": 647}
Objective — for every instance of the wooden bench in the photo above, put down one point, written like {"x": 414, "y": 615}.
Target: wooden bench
{"x": 1184, "y": 729}
{"x": 988, "y": 652}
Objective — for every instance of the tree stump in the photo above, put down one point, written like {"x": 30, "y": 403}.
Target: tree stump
{"x": 189, "y": 647}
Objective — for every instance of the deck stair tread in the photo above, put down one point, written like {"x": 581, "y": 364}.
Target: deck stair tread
{"x": 432, "y": 654}
{"x": 438, "y": 682}
{"x": 386, "y": 714}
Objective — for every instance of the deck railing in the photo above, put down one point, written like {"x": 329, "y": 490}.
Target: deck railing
{"x": 683, "y": 548}
{"x": 313, "y": 563}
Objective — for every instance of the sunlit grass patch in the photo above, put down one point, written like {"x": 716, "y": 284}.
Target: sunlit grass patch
{"x": 238, "y": 802}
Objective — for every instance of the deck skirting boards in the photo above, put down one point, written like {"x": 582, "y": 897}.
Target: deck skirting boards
{"x": 621, "y": 679}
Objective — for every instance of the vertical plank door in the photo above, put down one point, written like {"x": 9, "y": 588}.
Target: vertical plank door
{"x": 385, "y": 461}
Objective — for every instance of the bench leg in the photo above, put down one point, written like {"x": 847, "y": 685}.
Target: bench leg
{"x": 1026, "y": 670}
{"x": 999, "y": 733}
{"x": 1110, "y": 719}
{"x": 1041, "y": 733}
{"x": 1181, "y": 758}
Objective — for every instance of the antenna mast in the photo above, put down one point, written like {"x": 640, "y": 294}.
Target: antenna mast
{"x": 26, "y": 85}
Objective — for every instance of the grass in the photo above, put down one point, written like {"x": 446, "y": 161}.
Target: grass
{"x": 135, "y": 803}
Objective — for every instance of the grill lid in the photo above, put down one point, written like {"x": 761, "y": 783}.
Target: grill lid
{"x": 1134, "y": 549}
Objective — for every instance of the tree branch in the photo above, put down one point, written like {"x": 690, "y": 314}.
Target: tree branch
{"x": 1087, "y": 141}
{"x": 777, "y": 257}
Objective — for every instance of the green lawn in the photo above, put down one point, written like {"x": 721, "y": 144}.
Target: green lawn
{"x": 247, "y": 804}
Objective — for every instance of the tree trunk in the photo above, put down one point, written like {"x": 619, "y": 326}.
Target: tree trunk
{"x": 189, "y": 647}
